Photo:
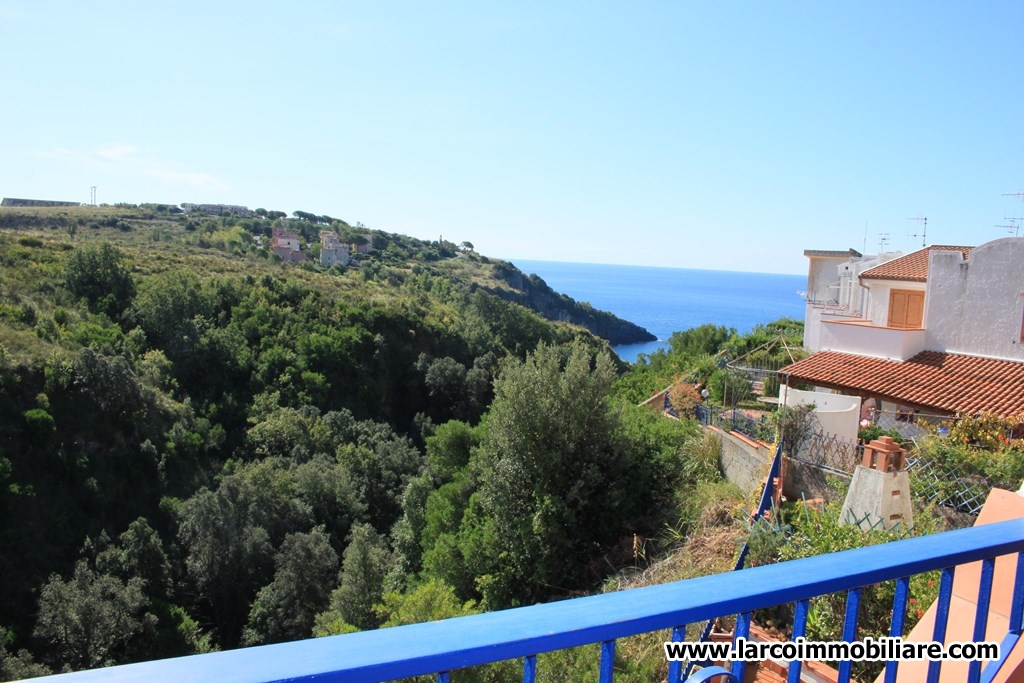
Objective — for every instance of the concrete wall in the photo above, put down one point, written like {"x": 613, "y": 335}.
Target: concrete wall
{"x": 747, "y": 467}
{"x": 985, "y": 294}
{"x": 803, "y": 481}
{"x": 742, "y": 464}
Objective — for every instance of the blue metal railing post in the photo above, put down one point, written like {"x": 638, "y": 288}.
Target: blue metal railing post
{"x": 799, "y": 631}
{"x": 530, "y": 669}
{"x": 742, "y": 631}
{"x": 941, "y": 619}
{"x": 849, "y": 631}
{"x": 899, "y": 618}
{"x": 675, "y": 667}
{"x": 607, "y": 661}
{"x": 1017, "y": 611}
{"x": 988, "y": 567}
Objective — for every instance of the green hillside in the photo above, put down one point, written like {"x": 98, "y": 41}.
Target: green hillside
{"x": 201, "y": 444}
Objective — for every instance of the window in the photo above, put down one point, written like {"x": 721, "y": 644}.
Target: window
{"x": 906, "y": 309}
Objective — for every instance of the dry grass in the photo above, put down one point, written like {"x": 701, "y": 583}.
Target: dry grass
{"x": 710, "y": 548}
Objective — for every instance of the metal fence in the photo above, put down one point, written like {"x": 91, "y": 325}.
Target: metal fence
{"x": 830, "y": 452}
{"x": 733, "y": 420}
{"x": 908, "y": 425}
{"x": 949, "y": 485}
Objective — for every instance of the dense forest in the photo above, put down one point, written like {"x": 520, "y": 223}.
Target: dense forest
{"x": 203, "y": 446}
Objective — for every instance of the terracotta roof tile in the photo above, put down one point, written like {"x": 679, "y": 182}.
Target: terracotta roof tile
{"x": 950, "y": 382}
{"x": 912, "y": 267}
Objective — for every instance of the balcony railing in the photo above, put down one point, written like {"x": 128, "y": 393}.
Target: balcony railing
{"x": 443, "y": 646}
{"x": 863, "y": 338}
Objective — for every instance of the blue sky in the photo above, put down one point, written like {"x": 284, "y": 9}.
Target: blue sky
{"x": 719, "y": 135}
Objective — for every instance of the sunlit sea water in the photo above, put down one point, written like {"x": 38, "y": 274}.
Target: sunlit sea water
{"x": 666, "y": 300}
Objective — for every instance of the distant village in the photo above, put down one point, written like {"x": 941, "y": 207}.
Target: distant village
{"x": 283, "y": 242}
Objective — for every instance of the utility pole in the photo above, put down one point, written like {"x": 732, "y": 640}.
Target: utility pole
{"x": 923, "y": 220}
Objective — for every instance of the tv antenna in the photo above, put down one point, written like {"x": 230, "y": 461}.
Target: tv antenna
{"x": 923, "y": 220}
{"x": 883, "y": 239}
{"x": 1012, "y": 227}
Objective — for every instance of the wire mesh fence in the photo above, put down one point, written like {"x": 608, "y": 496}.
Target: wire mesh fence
{"x": 830, "y": 452}
{"x": 949, "y": 485}
{"x": 907, "y": 425}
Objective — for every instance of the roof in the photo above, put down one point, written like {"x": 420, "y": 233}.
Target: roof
{"x": 949, "y": 382}
{"x": 811, "y": 253}
{"x": 912, "y": 267}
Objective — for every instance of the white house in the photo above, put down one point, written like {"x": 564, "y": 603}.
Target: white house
{"x": 332, "y": 251}
{"x": 940, "y": 330}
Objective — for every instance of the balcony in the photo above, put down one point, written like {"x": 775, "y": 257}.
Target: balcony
{"x": 863, "y": 338}
{"x": 443, "y": 646}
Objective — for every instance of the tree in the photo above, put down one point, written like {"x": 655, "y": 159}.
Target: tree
{"x": 556, "y": 477}
{"x": 167, "y": 309}
{"x": 449, "y": 448}
{"x": 306, "y": 564}
{"x": 230, "y": 535}
{"x": 380, "y": 464}
{"x": 361, "y": 582}
{"x": 110, "y": 382}
{"x": 138, "y": 553}
{"x": 102, "y": 277}
{"x": 92, "y": 619}
{"x": 695, "y": 341}
{"x": 445, "y": 379}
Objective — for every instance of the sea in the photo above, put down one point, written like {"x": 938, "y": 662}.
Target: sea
{"x": 667, "y": 300}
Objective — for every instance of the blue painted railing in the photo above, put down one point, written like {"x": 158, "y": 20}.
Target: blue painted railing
{"x": 451, "y": 644}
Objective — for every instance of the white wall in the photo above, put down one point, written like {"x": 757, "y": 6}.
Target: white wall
{"x": 822, "y": 271}
{"x": 838, "y": 414}
{"x": 851, "y": 299}
{"x": 871, "y": 340}
{"x": 977, "y": 306}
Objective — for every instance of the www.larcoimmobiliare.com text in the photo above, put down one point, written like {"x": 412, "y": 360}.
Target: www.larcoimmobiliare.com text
{"x": 866, "y": 650}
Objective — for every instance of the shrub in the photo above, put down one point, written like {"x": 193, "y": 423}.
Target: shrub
{"x": 987, "y": 431}
{"x": 872, "y": 432}
{"x": 684, "y": 398}
{"x": 40, "y": 424}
